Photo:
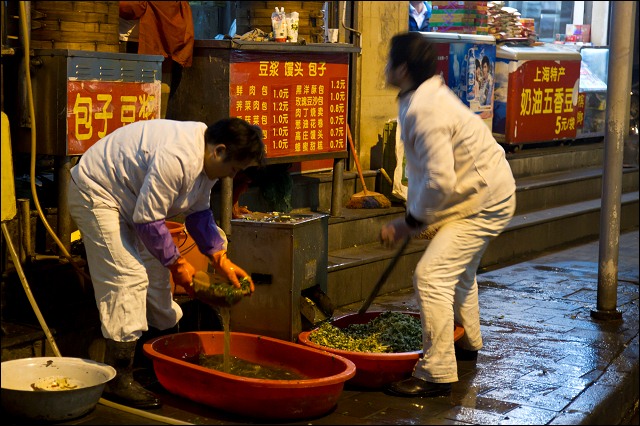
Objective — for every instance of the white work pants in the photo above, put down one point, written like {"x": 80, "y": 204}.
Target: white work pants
{"x": 132, "y": 288}
{"x": 445, "y": 283}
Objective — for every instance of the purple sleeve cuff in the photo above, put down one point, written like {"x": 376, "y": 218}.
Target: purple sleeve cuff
{"x": 204, "y": 231}
{"x": 157, "y": 239}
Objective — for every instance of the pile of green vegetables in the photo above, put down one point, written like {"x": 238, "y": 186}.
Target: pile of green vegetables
{"x": 389, "y": 332}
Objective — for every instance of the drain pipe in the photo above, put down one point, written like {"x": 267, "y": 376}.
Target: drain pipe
{"x": 25, "y": 249}
{"x": 344, "y": 17}
{"x": 24, "y": 222}
{"x": 616, "y": 129}
{"x": 27, "y": 290}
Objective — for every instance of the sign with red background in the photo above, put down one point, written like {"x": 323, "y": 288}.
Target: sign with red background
{"x": 442, "y": 61}
{"x": 299, "y": 100}
{"x": 542, "y": 101}
{"x": 97, "y": 108}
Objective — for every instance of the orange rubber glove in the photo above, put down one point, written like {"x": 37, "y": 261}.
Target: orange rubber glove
{"x": 182, "y": 273}
{"x": 226, "y": 268}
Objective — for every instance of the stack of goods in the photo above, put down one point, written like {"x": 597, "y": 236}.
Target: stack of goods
{"x": 529, "y": 26}
{"x": 465, "y": 17}
{"x": 257, "y": 15}
{"x": 505, "y": 23}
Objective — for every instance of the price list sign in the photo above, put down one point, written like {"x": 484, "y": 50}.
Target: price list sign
{"x": 299, "y": 100}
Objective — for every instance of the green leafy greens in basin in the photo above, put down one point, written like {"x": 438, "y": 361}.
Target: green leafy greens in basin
{"x": 389, "y": 332}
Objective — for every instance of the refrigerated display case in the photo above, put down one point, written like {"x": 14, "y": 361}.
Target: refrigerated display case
{"x": 536, "y": 93}
{"x": 466, "y": 62}
{"x": 592, "y": 98}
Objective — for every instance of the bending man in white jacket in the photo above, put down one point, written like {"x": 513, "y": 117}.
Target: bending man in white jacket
{"x": 460, "y": 185}
{"x": 120, "y": 194}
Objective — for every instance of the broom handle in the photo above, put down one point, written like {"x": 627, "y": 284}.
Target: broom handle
{"x": 384, "y": 276}
{"x": 355, "y": 158}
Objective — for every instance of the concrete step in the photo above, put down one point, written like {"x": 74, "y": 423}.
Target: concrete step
{"x": 355, "y": 227}
{"x": 537, "y": 161}
{"x": 353, "y": 271}
{"x": 543, "y": 191}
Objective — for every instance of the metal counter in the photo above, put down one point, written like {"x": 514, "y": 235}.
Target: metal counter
{"x": 283, "y": 258}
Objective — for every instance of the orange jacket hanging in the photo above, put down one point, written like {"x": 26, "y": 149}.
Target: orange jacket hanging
{"x": 166, "y": 28}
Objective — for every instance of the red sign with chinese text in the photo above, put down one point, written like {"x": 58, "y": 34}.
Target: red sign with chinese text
{"x": 542, "y": 101}
{"x": 582, "y": 97}
{"x": 299, "y": 100}
{"x": 97, "y": 108}
{"x": 442, "y": 61}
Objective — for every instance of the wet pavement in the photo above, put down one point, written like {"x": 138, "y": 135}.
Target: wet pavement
{"x": 545, "y": 359}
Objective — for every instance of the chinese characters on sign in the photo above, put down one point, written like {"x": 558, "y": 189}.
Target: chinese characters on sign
{"x": 547, "y": 103}
{"x": 299, "y": 101}
{"x": 580, "y": 110}
{"x": 97, "y": 108}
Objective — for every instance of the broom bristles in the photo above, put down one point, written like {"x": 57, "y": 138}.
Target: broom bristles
{"x": 368, "y": 200}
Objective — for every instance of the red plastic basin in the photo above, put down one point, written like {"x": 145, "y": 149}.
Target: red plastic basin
{"x": 374, "y": 370}
{"x": 260, "y": 398}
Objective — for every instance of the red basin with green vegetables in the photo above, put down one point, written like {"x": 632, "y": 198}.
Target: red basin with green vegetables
{"x": 373, "y": 370}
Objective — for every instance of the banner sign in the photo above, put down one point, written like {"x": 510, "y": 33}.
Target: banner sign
{"x": 543, "y": 101}
{"x": 97, "y": 108}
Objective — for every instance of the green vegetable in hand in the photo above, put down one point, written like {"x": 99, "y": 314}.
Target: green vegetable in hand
{"x": 212, "y": 289}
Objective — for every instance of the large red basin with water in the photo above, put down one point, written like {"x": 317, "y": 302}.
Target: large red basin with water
{"x": 174, "y": 361}
{"x": 374, "y": 370}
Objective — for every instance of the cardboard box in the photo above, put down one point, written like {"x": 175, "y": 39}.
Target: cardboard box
{"x": 578, "y": 33}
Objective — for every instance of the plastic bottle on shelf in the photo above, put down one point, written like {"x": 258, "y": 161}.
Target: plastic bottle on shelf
{"x": 279, "y": 24}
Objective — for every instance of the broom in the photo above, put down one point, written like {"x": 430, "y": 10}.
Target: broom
{"x": 364, "y": 199}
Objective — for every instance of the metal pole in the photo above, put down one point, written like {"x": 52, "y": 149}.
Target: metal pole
{"x": 226, "y": 200}
{"x": 337, "y": 185}
{"x": 63, "y": 166}
{"x": 24, "y": 209}
{"x": 617, "y": 128}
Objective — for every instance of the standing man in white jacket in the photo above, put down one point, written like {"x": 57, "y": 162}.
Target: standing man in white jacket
{"x": 120, "y": 194}
{"x": 460, "y": 185}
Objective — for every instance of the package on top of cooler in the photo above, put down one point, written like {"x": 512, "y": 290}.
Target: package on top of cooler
{"x": 453, "y": 5}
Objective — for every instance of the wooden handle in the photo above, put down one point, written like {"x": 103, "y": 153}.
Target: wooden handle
{"x": 355, "y": 158}
{"x": 386, "y": 176}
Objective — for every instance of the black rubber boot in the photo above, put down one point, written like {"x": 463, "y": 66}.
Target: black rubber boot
{"x": 465, "y": 354}
{"x": 417, "y": 387}
{"x": 123, "y": 389}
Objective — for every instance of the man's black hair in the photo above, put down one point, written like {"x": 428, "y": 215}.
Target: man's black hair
{"x": 413, "y": 49}
{"x": 243, "y": 140}
{"x": 485, "y": 59}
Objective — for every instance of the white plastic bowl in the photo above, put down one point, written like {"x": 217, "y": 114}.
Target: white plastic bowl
{"x": 86, "y": 380}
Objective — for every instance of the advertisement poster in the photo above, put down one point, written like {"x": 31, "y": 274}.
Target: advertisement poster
{"x": 471, "y": 76}
{"x": 469, "y": 70}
